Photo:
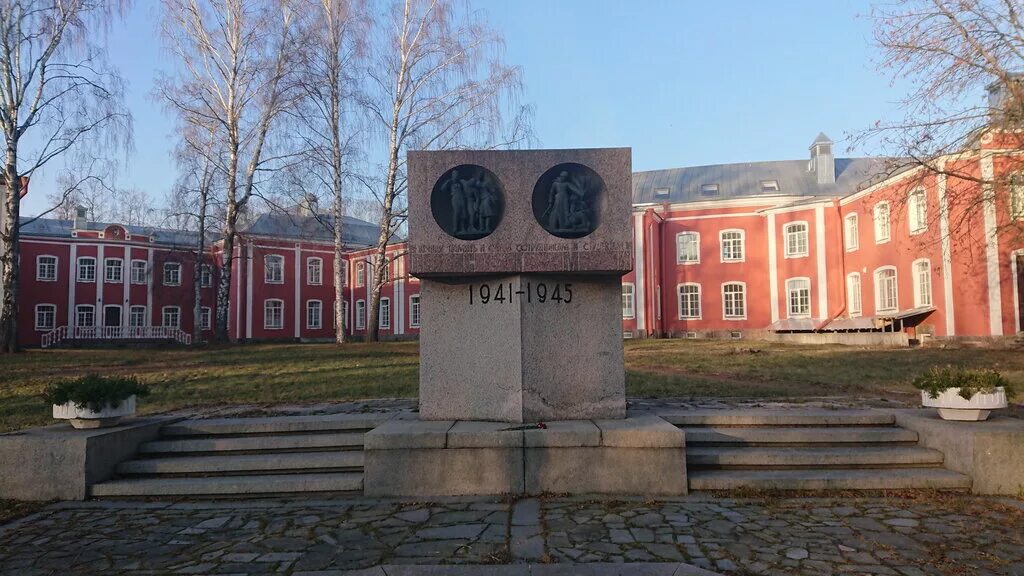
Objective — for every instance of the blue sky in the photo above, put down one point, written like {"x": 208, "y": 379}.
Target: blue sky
{"x": 683, "y": 83}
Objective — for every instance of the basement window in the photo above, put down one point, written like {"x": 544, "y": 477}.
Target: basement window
{"x": 735, "y": 335}
{"x": 628, "y": 335}
{"x": 769, "y": 185}
{"x": 691, "y": 335}
{"x": 709, "y": 190}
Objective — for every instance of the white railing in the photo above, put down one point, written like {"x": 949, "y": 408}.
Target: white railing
{"x": 116, "y": 333}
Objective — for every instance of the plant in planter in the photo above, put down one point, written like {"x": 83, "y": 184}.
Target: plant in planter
{"x": 961, "y": 394}
{"x": 94, "y": 401}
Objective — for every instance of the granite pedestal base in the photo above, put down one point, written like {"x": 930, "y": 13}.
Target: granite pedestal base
{"x": 640, "y": 455}
{"x": 522, "y": 348}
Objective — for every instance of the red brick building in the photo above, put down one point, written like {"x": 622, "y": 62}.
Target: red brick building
{"x": 823, "y": 246}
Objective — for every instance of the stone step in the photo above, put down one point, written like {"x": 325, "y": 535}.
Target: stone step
{"x": 275, "y": 425}
{"x": 884, "y": 479}
{"x": 238, "y": 464}
{"x": 288, "y": 442}
{"x": 803, "y": 457}
{"x": 230, "y": 485}
{"x": 797, "y": 436}
{"x": 760, "y": 417}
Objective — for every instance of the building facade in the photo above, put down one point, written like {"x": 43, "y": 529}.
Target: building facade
{"x": 820, "y": 246}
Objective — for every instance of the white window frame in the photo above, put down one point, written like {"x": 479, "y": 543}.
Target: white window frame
{"x": 360, "y": 314}
{"x": 743, "y": 301}
{"x": 917, "y": 211}
{"x": 851, "y": 232}
{"x": 791, "y": 286}
{"x": 878, "y": 290}
{"x": 679, "y": 250}
{"x": 414, "y": 310}
{"x": 384, "y": 320}
{"x": 169, "y": 278}
{"x": 266, "y": 314}
{"x": 919, "y": 302}
{"x": 882, "y": 235}
{"x": 144, "y": 269}
{"x": 205, "y": 317}
{"x": 119, "y": 266}
{"x": 360, "y": 274}
{"x": 163, "y": 316}
{"x": 1017, "y": 197}
{"x": 662, "y": 192}
{"x": 854, "y": 300}
{"x": 40, "y": 277}
{"x": 386, "y": 271}
{"x": 679, "y": 301}
{"x": 131, "y": 312}
{"x": 310, "y": 325}
{"x": 319, "y": 268}
{"x": 629, "y": 312}
{"x": 268, "y": 277}
{"x": 89, "y": 263}
{"x": 787, "y": 231}
{"x": 344, "y": 313}
{"x": 205, "y": 276}
{"x": 742, "y": 241}
{"x": 53, "y": 317}
{"x": 79, "y": 309}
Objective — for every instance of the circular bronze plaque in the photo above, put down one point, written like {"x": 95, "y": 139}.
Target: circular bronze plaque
{"x": 568, "y": 200}
{"x": 468, "y": 202}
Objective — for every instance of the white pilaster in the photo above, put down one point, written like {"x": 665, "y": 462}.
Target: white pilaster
{"x": 773, "y": 270}
{"x": 639, "y": 236}
{"x": 300, "y": 311}
{"x": 72, "y": 282}
{"x": 150, "y": 279}
{"x": 995, "y": 301}
{"x": 947, "y": 254}
{"x": 819, "y": 250}
{"x": 248, "y": 290}
{"x": 101, "y": 272}
{"x": 126, "y": 274}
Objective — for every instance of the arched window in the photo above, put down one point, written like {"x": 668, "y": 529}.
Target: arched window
{"x": 851, "y": 234}
{"x": 853, "y": 294}
{"x": 796, "y": 239}
{"x": 734, "y": 301}
{"x": 798, "y": 297}
{"x": 917, "y": 211}
{"x": 314, "y": 314}
{"x": 688, "y": 248}
{"x": 273, "y": 314}
{"x": 732, "y": 245}
{"x": 886, "y": 293}
{"x": 46, "y": 316}
{"x": 689, "y": 301}
{"x": 86, "y": 269}
{"x": 922, "y": 277}
{"x": 273, "y": 269}
{"x": 628, "y": 300}
{"x": 881, "y": 217}
{"x": 314, "y": 271}
{"x": 46, "y": 268}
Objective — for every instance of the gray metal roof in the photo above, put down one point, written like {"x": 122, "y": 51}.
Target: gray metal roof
{"x": 744, "y": 180}
{"x": 55, "y": 228}
{"x": 355, "y": 232}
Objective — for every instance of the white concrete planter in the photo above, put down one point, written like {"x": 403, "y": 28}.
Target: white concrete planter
{"x": 952, "y": 406}
{"x": 83, "y": 418}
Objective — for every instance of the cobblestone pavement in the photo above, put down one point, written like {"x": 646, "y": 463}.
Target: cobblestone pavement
{"x": 938, "y": 534}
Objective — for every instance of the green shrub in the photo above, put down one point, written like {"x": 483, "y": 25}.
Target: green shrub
{"x": 970, "y": 382}
{"x": 94, "y": 391}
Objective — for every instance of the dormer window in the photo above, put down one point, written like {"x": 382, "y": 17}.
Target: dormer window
{"x": 709, "y": 190}
{"x": 662, "y": 192}
{"x": 769, "y": 185}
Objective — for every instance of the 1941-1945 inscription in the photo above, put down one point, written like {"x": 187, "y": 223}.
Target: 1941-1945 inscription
{"x": 529, "y": 292}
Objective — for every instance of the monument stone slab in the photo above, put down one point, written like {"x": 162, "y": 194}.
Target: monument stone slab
{"x": 521, "y": 255}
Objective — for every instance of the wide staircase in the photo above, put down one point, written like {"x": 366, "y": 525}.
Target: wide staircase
{"x": 805, "y": 449}
{"x": 247, "y": 457}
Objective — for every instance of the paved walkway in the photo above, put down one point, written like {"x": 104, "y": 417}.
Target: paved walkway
{"x": 813, "y": 536}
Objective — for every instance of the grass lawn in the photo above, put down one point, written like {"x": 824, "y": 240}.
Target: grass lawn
{"x": 285, "y": 373}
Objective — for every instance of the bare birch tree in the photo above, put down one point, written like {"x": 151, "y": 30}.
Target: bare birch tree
{"x": 335, "y": 32}
{"x": 236, "y": 66}
{"x": 949, "y": 51}
{"x": 57, "y": 95}
{"x": 436, "y": 79}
